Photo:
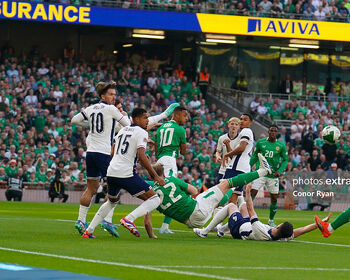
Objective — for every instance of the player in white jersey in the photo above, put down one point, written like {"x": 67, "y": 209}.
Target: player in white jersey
{"x": 130, "y": 145}
{"x": 226, "y": 144}
{"x": 244, "y": 224}
{"x": 102, "y": 119}
{"x": 239, "y": 157}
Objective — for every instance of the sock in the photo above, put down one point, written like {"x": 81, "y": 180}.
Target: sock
{"x": 110, "y": 215}
{"x": 341, "y": 219}
{"x": 217, "y": 219}
{"x": 224, "y": 228}
{"x": 83, "y": 210}
{"x": 100, "y": 215}
{"x": 243, "y": 179}
{"x": 157, "y": 118}
{"x": 226, "y": 198}
{"x": 166, "y": 223}
{"x": 273, "y": 210}
{"x": 146, "y": 207}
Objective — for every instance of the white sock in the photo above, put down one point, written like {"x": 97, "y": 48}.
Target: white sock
{"x": 146, "y": 207}
{"x": 224, "y": 228}
{"x": 217, "y": 219}
{"x": 157, "y": 118}
{"x": 262, "y": 172}
{"x": 330, "y": 228}
{"x": 100, "y": 215}
{"x": 110, "y": 215}
{"x": 83, "y": 210}
{"x": 164, "y": 226}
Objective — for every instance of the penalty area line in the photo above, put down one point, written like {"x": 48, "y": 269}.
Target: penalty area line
{"x": 145, "y": 267}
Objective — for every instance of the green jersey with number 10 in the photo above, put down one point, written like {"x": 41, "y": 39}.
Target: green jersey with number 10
{"x": 275, "y": 153}
{"x": 169, "y": 136}
{"x": 174, "y": 201}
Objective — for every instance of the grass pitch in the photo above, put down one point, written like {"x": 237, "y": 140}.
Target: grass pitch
{"x": 43, "y": 235}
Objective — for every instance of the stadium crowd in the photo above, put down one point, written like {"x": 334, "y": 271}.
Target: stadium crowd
{"x": 39, "y": 96}
{"x": 321, "y": 10}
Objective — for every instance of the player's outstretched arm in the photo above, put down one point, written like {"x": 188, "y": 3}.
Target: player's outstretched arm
{"x": 148, "y": 225}
{"x": 302, "y": 230}
{"x": 80, "y": 119}
{"x": 249, "y": 201}
{"x": 146, "y": 164}
{"x": 164, "y": 115}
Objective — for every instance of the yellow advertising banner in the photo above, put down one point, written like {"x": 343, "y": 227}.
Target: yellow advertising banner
{"x": 274, "y": 27}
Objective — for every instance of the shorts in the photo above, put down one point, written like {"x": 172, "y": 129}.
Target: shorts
{"x": 272, "y": 184}
{"x": 134, "y": 185}
{"x": 239, "y": 227}
{"x": 97, "y": 165}
{"x": 169, "y": 164}
{"x": 206, "y": 203}
{"x": 233, "y": 173}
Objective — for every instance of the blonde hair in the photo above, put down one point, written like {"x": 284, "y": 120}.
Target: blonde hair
{"x": 158, "y": 168}
{"x": 234, "y": 119}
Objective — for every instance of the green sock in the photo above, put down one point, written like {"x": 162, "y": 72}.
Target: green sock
{"x": 167, "y": 220}
{"x": 273, "y": 209}
{"x": 243, "y": 179}
{"x": 342, "y": 219}
{"x": 226, "y": 197}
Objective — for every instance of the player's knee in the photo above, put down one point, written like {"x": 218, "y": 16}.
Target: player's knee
{"x": 156, "y": 200}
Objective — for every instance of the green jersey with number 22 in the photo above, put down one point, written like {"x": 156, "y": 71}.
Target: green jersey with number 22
{"x": 174, "y": 201}
{"x": 169, "y": 136}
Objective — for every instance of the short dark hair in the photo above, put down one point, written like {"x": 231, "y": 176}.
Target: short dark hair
{"x": 102, "y": 87}
{"x": 137, "y": 112}
{"x": 179, "y": 109}
{"x": 285, "y": 231}
{"x": 249, "y": 116}
{"x": 273, "y": 125}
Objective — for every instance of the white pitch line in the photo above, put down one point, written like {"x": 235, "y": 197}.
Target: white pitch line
{"x": 255, "y": 267}
{"x": 145, "y": 267}
{"x": 321, "y": 243}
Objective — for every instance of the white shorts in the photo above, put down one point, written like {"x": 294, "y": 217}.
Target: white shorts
{"x": 169, "y": 164}
{"x": 206, "y": 203}
{"x": 272, "y": 184}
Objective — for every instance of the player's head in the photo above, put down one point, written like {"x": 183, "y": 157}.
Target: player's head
{"x": 107, "y": 91}
{"x": 284, "y": 230}
{"x": 246, "y": 120}
{"x": 140, "y": 117}
{"x": 159, "y": 169}
{"x": 233, "y": 124}
{"x": 180, "y": 115}
{"x": 273, "y": 131}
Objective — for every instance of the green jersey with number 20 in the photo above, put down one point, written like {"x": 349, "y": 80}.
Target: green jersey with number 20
{"x": 169, "y": 136}
{"x": 174, "y": 201}
{"x": 275, "y": 153}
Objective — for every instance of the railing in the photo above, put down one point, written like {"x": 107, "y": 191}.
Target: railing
{"x": 204, "y": 7}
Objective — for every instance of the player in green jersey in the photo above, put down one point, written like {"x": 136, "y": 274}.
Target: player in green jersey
{"x": 328, "y": 228}
{"x": 275, "y": 151}
{"x": 177, "y": 203}
{"x": 170, "y": 138}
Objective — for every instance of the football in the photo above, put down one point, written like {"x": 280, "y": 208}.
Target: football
{"x": 331, "y": 134}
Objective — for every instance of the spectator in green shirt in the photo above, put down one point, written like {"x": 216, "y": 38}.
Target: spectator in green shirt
{"x": 12, "y": 169}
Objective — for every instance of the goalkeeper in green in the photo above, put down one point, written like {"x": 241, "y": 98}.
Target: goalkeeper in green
{"x": 276, "y": 154}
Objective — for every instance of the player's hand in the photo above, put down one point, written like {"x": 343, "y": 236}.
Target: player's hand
{"x": 225, "y": 160}
{"x": 159, "y": 180}
{"x": 218, "y": 159}
{"x": 327, "y": 218}
{"x": 226, "y": 141}
{"x": 277, "y": 174}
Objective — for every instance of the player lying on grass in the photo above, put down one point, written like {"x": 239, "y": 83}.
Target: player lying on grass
{"x": 176, "y": 203}
{"x": 130, "y": 145}
{"x": 244, "y": 224}
{"x": 328, "y": 228}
